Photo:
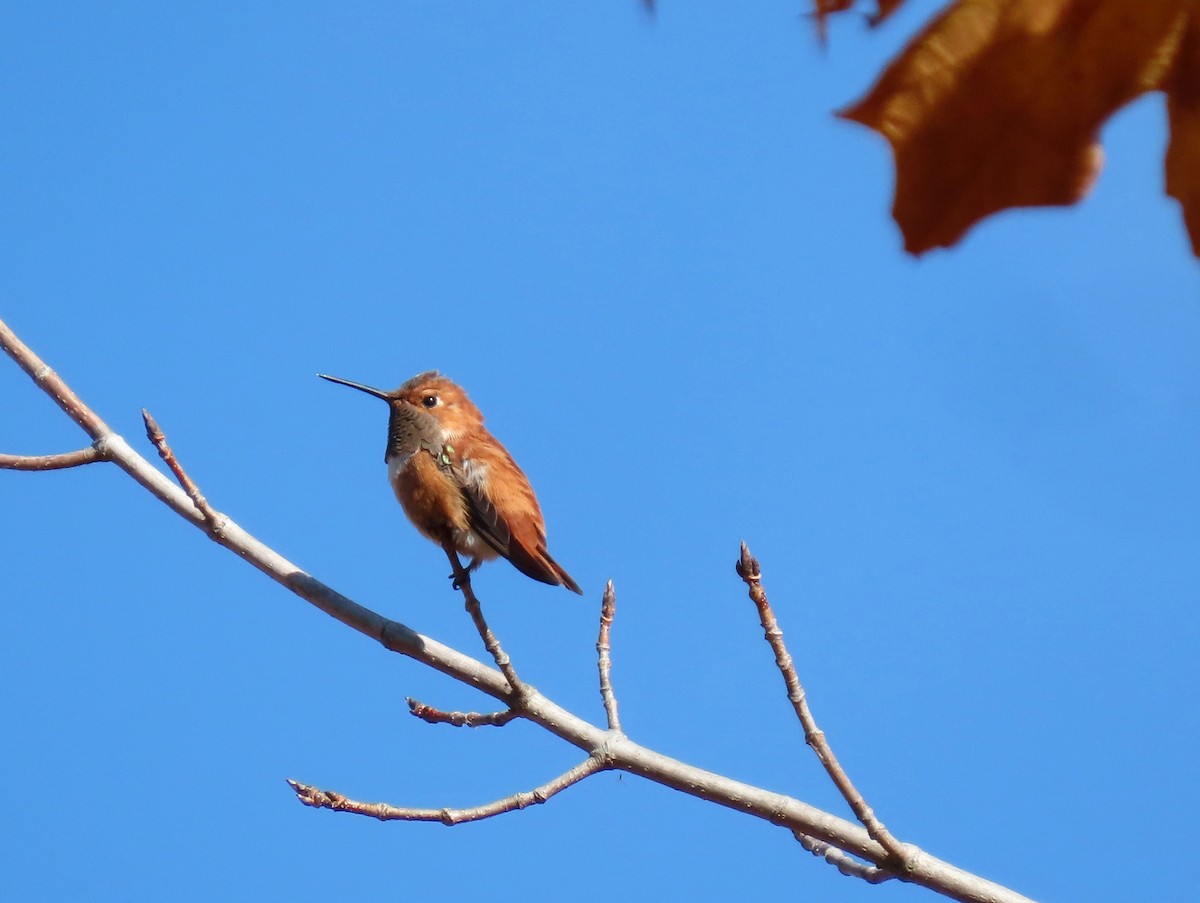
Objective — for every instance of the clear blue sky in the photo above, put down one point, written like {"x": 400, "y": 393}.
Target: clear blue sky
{"x": 669, "y": 278}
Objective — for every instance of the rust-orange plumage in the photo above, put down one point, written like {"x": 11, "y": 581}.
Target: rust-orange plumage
{"x": 457, "y": 484}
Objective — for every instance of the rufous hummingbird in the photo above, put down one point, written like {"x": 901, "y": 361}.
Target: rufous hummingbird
{"x": 457, "y": 484}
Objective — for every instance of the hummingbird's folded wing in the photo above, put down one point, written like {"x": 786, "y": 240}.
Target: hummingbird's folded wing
{"x": 486, "y": 520}
{"x": 527, "y": 553}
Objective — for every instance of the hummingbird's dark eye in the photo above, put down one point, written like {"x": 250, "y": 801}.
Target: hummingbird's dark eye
{"x": 430, "y": 401}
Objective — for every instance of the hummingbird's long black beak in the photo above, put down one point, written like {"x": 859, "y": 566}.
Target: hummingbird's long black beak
{"x": 378, "y": 393}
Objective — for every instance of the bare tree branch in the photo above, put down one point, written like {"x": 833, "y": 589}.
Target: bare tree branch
{"x": 328, "y": 799}
{"x": 608, "y": 608}
{"x": 61, "y": 461}
{"x": 51, "y": 383}
{"x": 748, "y": 570}
{"x": 431, "y": 715}
{"x": 614, "y": 749}
{"x": 843, "y": 862}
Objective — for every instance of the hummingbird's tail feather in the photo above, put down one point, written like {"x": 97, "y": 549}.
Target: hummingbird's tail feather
{"x": 560, "y": 572}
{"x": 538, "y": 564}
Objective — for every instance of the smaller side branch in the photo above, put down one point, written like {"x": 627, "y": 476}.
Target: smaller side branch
{"x": 156, "y": 436}
{"x": 62, "y": 461}
{"x": 748, "y": 570}
{"x": 462, "y": 582}
{"x": 843, "y": 861}
{"x": 328, "y": 799}
{"x": 608, "y": 608}
{"x": 429, "y": 714}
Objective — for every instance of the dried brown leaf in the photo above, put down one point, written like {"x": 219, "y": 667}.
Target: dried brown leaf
{"x": 999, "y": 103}
{"x": 1183, "y": 114}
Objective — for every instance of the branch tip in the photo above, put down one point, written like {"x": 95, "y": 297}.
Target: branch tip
{"x": 747, "y": 566}
{"x": 310, "y": 796}
{"x": 608, "y": 608}
{"x": 153, "y": 433}
{"x": 430, "y": 715}
{"x": 159, "y": 440}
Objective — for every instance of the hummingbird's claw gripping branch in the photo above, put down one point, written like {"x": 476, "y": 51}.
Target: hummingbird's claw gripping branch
{"x": 608, "y": 607}
{"x": 62, "y": 461}
{"x": 748, "y": 570}
{"x": 327, "y": 799}
{"x": 159, "y": 440}
{"x": 431, "y": 715}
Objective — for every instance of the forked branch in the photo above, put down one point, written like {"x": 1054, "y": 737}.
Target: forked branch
{"x": 598, "y": 761}
{"x": 605, "y": 748}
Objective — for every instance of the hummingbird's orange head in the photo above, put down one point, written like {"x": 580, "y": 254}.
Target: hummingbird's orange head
{"x": 442, "y": 398}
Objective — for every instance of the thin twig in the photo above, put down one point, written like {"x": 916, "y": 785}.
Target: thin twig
{"x": 155, "y": 435}
{"x": 460, "y": 719}
{"x": 61, "y": 461}
{"x": 328, "y": 799}
{"x": 608, "y": 608}
{"x": 462, "y": 582}
{"x": 748, "y": 570}
{"x": 843, "y": 862}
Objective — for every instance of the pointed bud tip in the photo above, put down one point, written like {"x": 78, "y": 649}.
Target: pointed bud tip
{"x": 151, "y": 425}
{"x": 747, "y": 565}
